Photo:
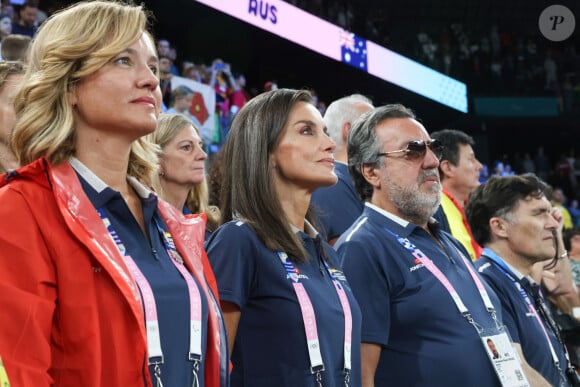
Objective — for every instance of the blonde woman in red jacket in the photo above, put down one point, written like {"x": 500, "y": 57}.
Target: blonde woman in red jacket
{"x": 101, "y": 283}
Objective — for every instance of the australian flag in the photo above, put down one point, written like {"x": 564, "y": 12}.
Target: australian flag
{"x": 353, "y": 50}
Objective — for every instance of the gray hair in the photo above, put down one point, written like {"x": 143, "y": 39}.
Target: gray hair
{"x": 363, "y": 146}
{"x": 340, "y": 111}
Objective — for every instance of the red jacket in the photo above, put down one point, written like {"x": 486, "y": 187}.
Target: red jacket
{"x": 71, "y": 313}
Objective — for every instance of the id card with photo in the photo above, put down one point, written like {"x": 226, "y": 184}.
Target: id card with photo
{"x": 504, "y": 358}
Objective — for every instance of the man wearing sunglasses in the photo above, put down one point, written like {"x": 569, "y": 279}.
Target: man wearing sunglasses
{"x": 420, "y": 297}
{"x": 459, "y": 171}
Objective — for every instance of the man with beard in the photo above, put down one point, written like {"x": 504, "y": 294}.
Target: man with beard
{"x": 423, "y": 304}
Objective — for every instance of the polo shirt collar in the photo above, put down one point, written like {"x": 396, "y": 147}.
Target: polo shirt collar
{"x": 406, "y": 227}
{"x": 99, "y": 185}
{"x": 400, "y": 221}
{"x": 515, "y": 271}
{"x": 519, "y": 276}
{"x": 308, "y": 229}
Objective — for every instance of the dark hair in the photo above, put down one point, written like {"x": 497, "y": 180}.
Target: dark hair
{"x": 568, "y": 235}
{"x": 363, "y": 147}
{"x": 28, "y": 4}
{"x": 497, "y": 197}
{"x": 451, "y": 139}
{"x": 247, "y": 187}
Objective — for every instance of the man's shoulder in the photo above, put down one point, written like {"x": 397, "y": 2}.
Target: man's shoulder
{"x": 499, "y": 282}
{"x": 370, "y": 228}
{"x": 329, "y": 192}
{"x": 338, "y": 199}
{"x": 18, "y": 29}
{"x": 360, "y": 230}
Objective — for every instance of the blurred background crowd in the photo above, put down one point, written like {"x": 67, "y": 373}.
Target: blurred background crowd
{"x": 494, "y": 47}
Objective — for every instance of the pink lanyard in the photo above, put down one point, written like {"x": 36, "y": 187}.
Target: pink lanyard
{"x": 309, "y": 320}
{"x": 154, "y": 350}
{"x": 433, "y": 269}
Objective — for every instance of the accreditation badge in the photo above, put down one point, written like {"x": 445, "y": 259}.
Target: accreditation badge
{"x": 3, "y": 377}
{"x": 504, "y": 358}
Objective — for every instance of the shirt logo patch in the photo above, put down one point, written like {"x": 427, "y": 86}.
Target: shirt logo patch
{"x": 417, "y": 266}
{"x": 339, "y": 275}
{"x": 296, "y": 276}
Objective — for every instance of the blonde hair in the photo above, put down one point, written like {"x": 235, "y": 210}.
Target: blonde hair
{"x": 169, "y": 126}
{"x": 69, "y": 46}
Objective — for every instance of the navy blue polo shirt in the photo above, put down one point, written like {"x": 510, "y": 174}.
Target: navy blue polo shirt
{"x": 522, "y": 325}
{"x": 425, "y": 340}
{"x": 440, "y": 217}
{"x": 169, "y": 288}
{"x": 270, "y": 347}
{"x": 339, "y": 206}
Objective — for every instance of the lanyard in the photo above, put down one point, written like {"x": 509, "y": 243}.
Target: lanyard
{"x": 347, "y": 318}
{"x": 309, "y": 319}
{"x": 151, "y": 320}
{"x": 433, "y": 269}
{"x": 500, "y": 264}
{"x": 195, "y": 305}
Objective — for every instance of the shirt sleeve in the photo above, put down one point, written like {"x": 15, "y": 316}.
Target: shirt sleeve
{"x": 232, "y": 254}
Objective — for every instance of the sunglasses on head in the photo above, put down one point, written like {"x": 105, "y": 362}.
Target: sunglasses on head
{"x": 417, "y": 149}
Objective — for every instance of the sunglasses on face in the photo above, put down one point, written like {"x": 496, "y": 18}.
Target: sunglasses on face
{"x": 417, "y": 149}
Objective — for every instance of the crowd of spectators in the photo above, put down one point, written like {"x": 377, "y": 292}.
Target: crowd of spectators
{"x": 494, "y": 62}
{"x": 491, "y": 59}
{"x": 562, "y": 173}
{"x": 18, "y": 25}
{"x": 228, "y": 83}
